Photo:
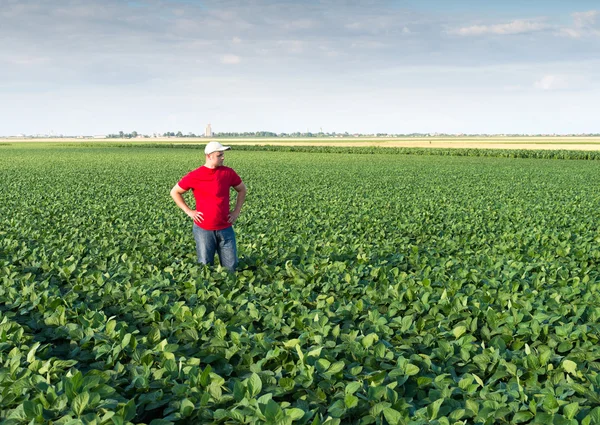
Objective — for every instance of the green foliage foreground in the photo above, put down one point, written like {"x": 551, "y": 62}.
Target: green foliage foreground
{"x": 384, "y": 289}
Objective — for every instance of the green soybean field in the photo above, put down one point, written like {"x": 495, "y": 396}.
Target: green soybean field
{"x": 373, "y": 288}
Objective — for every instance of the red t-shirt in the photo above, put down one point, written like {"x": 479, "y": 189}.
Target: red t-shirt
{"x": 211, "y": 191}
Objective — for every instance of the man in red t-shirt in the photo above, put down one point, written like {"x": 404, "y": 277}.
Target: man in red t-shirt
{"x": 213, "y": 221}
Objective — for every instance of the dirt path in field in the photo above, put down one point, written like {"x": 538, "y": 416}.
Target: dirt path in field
{"x": 548, "y": 143}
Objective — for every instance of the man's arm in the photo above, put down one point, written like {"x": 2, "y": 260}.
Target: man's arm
{"x": 241, "y": 197}
{"x": 177, "y": 195}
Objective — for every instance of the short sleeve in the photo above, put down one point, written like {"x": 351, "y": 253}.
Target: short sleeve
{"x": 186, "y": 182}
{"x": 234, "y": 178}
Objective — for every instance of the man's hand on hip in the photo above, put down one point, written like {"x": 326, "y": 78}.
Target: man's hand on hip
{"x": 233, "y": 216}
{"x": 196, "y": 216}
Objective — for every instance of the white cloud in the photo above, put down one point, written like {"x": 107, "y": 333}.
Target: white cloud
{"x": 584, "y": 19}
{"x": 548, "y": 82}
{"x": 584, "y": 24}
{"x": 571, "y": 32}
{"x": 230, "y": 59}
{"x": 511, "y": 28}
{"x": 553, "y": 82}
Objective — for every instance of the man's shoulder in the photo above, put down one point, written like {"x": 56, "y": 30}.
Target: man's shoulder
{"x": 196, "y": 170}
{"x": 226, "y": 170}
{"x": 229, "y": 174}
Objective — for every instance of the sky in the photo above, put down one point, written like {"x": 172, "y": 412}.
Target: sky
{"x": 83, "y": 67}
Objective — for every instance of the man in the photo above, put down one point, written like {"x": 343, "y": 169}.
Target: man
{"x": 213, "y": 221}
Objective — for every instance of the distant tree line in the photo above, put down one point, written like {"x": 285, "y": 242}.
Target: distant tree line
{"x": 135, "y": 134}
{"x": 123, "y": 135}
{"x": 180, "y": 134}
{"x": 308, "y": 134}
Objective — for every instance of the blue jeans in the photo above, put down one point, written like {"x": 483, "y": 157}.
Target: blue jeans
{"x": 220, "y": 241}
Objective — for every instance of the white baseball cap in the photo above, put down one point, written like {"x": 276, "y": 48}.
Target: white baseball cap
{"x": 215, "y": 147}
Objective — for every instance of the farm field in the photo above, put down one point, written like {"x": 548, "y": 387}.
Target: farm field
{"x": 590, "y": 143}
{"x": 372, "y": 288}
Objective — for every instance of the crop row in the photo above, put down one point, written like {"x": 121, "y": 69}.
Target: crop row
{"x": 380, "y": 150}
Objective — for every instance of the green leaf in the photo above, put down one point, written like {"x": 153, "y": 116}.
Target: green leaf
{"x": 31, "y": 353}
{"x": 129, "y": 411}
{"x": 407, "y": 322}
{"x": 352, "y": 387}
{"x": 294, "y": 413}
{"x": 594, "y": 416}
{"x": 287, "y": 384}
{"x": 239, "y": 391}
{"x": 472, "y": 406}
{"x": 337, "y": 409}
{"x": 368, "y": 340}
{"x": 434, "y": 408}
{"x": 464, "y": 383}
{"x": 367, "y": 420}
{"x": 80, "y": 403}
{"x": 154, "y": 335}
{"x": 380, "y": 350}
{"x": 336, "y": 367}
{"x": 571, "y": 410}
{"x": 523, "y": 416}
{"x": 220, "y": 414}
{"x": 322, "y": 365}
{"x": 236, "y": 415}
{"x": 478, "y": 379}
{"x": 456, "y": 415}
{"x": 569, "y": 366}
{"x": 543, "y": 418}
{"x": 550, "y": 404}
{"x": 350, "y": 401}
{"x": 300, "y": 353}
{"x": 214, "y": 389}
{"x": 291, "y": 343}
{"x": 186, "y": 408}
{"x": 254, "y": 385}
{"x": 412, "y": 369}
{"x": 273, "y": 412}
{"x": 392, "y": 416}
{"x": 117, "y": 420}
{"x": 32, "y": 409}
{"x": 459, "y": 331}
{"x": 561, "y": 420}
{"x": 126, "y": 340}
{"x": 205, "y": 376}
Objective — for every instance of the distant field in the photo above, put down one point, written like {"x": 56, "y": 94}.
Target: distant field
{"x": 570, "y": 143}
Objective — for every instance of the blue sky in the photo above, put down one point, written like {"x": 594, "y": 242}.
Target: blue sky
{"x": 97, "y": 67}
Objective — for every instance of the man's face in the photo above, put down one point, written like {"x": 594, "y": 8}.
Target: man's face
{"x": 217, "y": 158}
